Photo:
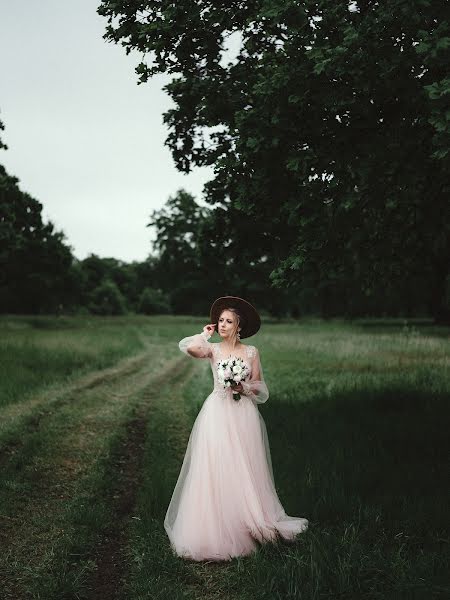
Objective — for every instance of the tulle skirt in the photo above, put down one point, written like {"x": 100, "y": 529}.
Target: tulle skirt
{"x": 225, "y": 501}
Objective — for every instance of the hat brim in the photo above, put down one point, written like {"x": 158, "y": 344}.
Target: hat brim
{"x": 249, "y": 312}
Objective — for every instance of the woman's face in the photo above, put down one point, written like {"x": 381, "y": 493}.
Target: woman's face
{"x": 227, "y": 323}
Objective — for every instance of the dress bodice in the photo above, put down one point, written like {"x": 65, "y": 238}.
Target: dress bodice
{"x": 217, "y": 355}
{"x": 254, "y": 386}
{"x": 249, "y": 353}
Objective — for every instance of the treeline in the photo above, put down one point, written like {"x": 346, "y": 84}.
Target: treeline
{"x": 188, "y": 268}
{"x": 39, "y": 273}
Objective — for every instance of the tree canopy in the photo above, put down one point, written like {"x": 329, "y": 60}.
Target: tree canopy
{"x": 328, "y": 133}
{"x": 35, "y": 262}
{"x": 2, "y": 144}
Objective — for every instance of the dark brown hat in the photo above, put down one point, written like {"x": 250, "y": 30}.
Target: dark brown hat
{"x": 252, "y": 321}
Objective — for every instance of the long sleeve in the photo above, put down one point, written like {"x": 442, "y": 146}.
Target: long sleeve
{"x": 196, "y": 345}
{"x": 256, "y": 388}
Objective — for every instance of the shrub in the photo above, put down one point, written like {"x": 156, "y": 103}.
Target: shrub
{"x": 152, "y": 302}
{"x": 107, "y": 299}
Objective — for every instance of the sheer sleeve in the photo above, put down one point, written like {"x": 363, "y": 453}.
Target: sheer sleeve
{"x": 256, "y": 388}
{"x": 196, "y": 346}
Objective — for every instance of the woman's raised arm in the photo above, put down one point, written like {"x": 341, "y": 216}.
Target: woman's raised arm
{"x": 197, "y": 345}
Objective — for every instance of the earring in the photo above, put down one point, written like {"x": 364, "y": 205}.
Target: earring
{"x": 238, "y": 335}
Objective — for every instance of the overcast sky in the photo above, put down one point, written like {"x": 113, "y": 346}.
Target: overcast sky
{"x": 83, "y": 138}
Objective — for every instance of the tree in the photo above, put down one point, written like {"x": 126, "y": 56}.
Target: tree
{"x": 35, "y": 264}
{"x": 153, "y": 302}
{"x": 107, "y": 299}
{"x": 197, "y": 259}
{"x": 178, "y": 227}
{"x": 130, "y": 278}
{"x": 2, "y": 144}
{"x": 145, "y": 276}
{"x": 328, "y": 132}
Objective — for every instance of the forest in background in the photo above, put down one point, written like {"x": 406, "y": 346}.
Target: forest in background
{"x": 185, "y": 272}
{"x": 329, "y": 137}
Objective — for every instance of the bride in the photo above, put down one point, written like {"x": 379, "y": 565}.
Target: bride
{"x": 225, "y": 500}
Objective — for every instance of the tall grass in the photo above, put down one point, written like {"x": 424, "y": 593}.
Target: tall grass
{"x": 358, "y": 428}
{"x": 38, "y": 351}
{"x": 358, "y": 424}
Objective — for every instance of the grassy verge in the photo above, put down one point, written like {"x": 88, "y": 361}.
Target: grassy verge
{"x": 60, "y": 469}
{"x": 37, "y": 352}
{"x": 40, "y": 352}
{"x": 357, "y": 422}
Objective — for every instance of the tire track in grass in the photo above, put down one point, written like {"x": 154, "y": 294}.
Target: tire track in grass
{"x": 27, "y": 435}
{"x": 29, "y": 412}
{"x": 56, "y": 475}
{"x": 111, "y": 557}
{"x": 110, "y": 562}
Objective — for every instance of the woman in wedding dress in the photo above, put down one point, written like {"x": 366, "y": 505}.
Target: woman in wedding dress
{"x": 225, "y": 500}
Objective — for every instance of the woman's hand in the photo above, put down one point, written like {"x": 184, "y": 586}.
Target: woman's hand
{"x": 209, "y": 329}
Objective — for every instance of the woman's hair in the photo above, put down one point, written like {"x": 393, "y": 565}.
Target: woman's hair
{"x": 240, "y": 321}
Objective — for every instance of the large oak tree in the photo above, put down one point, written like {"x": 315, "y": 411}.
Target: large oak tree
{"x": 328, "y": 132}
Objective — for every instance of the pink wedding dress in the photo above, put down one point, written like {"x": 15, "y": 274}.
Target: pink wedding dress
{"x": 225, "y": 500}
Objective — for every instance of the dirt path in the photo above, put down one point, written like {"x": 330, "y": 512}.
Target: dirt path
{"x": 44, "y": 402}
{"x": 78, "y": 421}
{"x": 110, "y": 557}
{"x": 76, "y": 424}
{"x": 111, "y": 566}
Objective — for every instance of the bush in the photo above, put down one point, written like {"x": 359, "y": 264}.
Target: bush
{"x": 153, "y": 302}
{"x": 107, "y": 299}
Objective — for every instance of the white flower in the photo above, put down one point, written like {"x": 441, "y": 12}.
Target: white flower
{"x": 237, "y": 369}
{"x": 228, "y": 384}
{"x": 237, "y": 378}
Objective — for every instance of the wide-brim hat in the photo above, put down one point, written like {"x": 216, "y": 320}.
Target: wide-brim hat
{"x": 252, "y": 321}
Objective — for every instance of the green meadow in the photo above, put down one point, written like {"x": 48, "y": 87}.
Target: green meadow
{"x": 95, "y": 417}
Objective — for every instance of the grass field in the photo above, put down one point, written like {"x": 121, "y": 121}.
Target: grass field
{"x": 95, "y": 418}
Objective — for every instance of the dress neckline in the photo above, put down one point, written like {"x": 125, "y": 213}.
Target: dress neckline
{"x": 244, "y": 358}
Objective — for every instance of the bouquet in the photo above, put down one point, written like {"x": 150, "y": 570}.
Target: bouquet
{"x": 232, "y": 370}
